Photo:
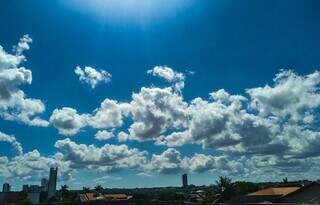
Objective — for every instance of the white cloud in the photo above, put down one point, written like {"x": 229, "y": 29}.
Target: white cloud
{"x": 68, "y": 121}
{"x": 238, "y": 128}
{"x": 169, "y": 162}
{"x": 172, "y": 162}
{"x": 291, "y": 96}
{"x": 122, "y": 136}
{"x": 169, "y": 75}
{"x": 14, "y": 105}
{"x": 103, "y": 135}
{"x": 154, "y": 110}
{"x": 11, "y": 140}
{"x": 109, "y": 114}
{"x": 31, "y": 166}
{"x": 202, "y": 163}
{"x": 92, "y": 76}
{"x": 106, "y": 179}
{"x": 23, "y": 44}
{"x": 106, "y": 158}
{"x": 222, "y": 123}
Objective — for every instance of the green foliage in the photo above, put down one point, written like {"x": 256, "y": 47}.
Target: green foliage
{"x": 242, "y": 187}
{"x": 43, "y": 196}
{"x": 141, "y": 196}
{"x": 169, "y": 195}
{"x": 66, "y": 195}
{"x": 23, "y": 199}
{"x": 99, "y": 188}
{"x": 86, "y": 189}
{"x": 209, "y": 197}
{"x": 224, "y": 188}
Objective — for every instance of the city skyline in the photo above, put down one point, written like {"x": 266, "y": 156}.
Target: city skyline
{"x": 138, "y": 92}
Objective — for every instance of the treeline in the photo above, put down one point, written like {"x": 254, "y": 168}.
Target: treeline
{"x": 223, "y": 189}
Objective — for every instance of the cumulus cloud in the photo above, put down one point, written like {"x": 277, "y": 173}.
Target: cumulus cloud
{"x": 223, "y": 123}
{"x": 14, "y": 105}
{"x": 277, "y": 122}
{"x": 92, "y": 76}
{"x": 169, "y": 75}
{"x": 172, "y": 162}
{"x": 122, "y": 136}
{"x": 31, "y": 166}
{"x": 106, "y": 158}
{"x": 169, "y": 162}
{"x": 68, "y": 121}
{"x": 154, "y": 110}
{"x": 103, "y": 135}
{"x": 24, "y": 44}
{"x": 302, "y": 141}
{"x": 291, "y": 96}
{"x": 12, "y": 141}
{"x": 109, "y": 114}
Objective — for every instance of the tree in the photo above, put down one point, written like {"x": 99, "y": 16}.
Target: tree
{"x": 98, "y": 188}
{"x": 224, "y": 188}
{"x": 23, "y": 199}
{"x": 242, "y": 187}
{"x": 171, "y": 195}
{"x": 65, "y": 194}
{"x": 209, "y": 197}
{"x": 85, "y": 189}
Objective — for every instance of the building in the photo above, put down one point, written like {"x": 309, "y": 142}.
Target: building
{"x": 184, "y": 180}
{"x": 34, "y": 189}
{"x": 6, "y": 187}
{"x": 270, "y": 195}
{"x": 44, "y": 184}
{"x": 25, "y": 188}
{"x": 16, "y": 197}
{"x": 308, "y": 194}
{"x": 34, "y": 198}
{"x": 52, "y": 184}
{"x": 85, "y": 197}
{"x": 31, "y": 189}
{"x": 9, "y": 197}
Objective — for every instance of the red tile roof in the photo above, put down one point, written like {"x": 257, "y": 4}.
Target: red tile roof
{"x": 280, "y": 191}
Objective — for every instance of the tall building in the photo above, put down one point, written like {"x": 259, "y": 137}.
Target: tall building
{"x": 44, "y": 184}
{"x": 184, "y": 180}
{"x": 6, "y": 187}
{"x": 25, "y": 188}
{"x": 52, "y": 184}
{"x": 34, "y": 189}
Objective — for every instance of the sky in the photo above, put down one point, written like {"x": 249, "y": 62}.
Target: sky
{"x": 134, "y": 93}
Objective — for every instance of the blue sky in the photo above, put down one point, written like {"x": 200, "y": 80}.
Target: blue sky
{"x": 213, "y": 44}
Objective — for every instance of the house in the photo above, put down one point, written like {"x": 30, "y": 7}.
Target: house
{"x": 116, "y": 196}
{"x": 271, "y": 194}
{"x": 308, "y": 194}
{"x": 102, "y": 197}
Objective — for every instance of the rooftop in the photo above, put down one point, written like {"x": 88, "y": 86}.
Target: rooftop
{"x": 274, "y": 191}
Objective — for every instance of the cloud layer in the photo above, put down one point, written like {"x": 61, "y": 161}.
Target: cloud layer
{"x": 276, "y": 122}
{"x": 273, "y": 127}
